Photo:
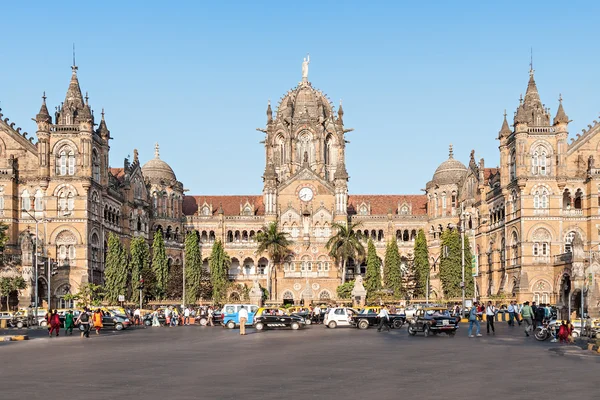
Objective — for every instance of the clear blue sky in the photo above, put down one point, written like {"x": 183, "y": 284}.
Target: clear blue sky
{"x": 196, "y": 77}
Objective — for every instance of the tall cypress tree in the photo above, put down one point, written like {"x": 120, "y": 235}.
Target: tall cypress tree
{"x": 373, "y": 276}
{"x": 116, "y": 272}
{"x": 219, "y": 263}
{"x": 451, "y": 265}
{"x": 392, "y": 275}
{"x": 193, "y": 268}
{"x": 469, "y": 280}
{"x": 140, "y": 266}
{"x": 420, "y": 265}
{"x": 160, "y": 265}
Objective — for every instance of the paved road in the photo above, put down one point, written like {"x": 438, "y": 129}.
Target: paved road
{"x": 215, "y": 363}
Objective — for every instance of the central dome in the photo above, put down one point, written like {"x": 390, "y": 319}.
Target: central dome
{"x": 305, "y": 99}
{"x": 156, "y": 169}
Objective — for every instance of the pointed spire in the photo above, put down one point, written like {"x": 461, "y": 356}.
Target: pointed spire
{"x": 561, "y": 117}
{"x": 505, "y": 130}
{"x": 156, "y": 151}
{"x": 269, "y": 112}
{"x": 340, "y": 171}
{"x": 532, "y": 96}
{"x": 340, "y": 114}
{"x": 270, "y": 172}
{"x": 43, "y": 115}
{"x": 102, "y": 128}
{"x": 450, "y": 152}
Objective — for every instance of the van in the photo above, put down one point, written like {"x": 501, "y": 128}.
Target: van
{"x": 230, "y": 314}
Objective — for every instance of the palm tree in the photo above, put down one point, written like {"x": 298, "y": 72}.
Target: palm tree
{"x": 345, "y": 244}
{"x": 276, "y": 244}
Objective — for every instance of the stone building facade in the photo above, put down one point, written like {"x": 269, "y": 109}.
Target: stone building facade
{"x": 521, "y": 218}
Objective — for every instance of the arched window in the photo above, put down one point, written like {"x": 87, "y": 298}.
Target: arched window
{"x": 66, "y": 202}
{"x": 65, "y": 162}
{"x": 512, "y": 165}
{"x": 1, "y": 200}
{"x": 96, "y": 168}
{"x": 540, "y": 198}
{"x": 539, "y": 161}
{"x": 65, "y": 248}
{"x": 25, "y": 201}
{"x": 363, "y": 210}
{"x": 39, "y": 201}
{"x": 569, "y": 241}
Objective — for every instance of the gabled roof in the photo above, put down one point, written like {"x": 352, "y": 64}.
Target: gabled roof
{"x": 230, "y": 204}
{"x": 381, "y": 204}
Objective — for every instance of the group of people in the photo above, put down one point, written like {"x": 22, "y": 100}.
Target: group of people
{"x": 86, "y": 320}
{"x": 476, "y": 314}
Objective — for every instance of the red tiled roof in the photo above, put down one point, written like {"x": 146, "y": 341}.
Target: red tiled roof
{"x": 382, "y": 204}
{"x": 118, "y": 173}
{"x": 489, "y": 172}
{"x": 230, "y": 204}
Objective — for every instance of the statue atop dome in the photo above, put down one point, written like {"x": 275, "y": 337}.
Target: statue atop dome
{"x": 305, "y": 68}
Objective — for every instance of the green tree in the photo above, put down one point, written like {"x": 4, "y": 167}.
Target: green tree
{"x": 392, "y": 275}
{"x": 116, "y": 271}
{"x": 345, "y": 244}
{"x": 3, "y": 235}
{"x": 193, "y": 268}
{"x": 344, "y": 291}
{"x": 140, "y": 266}
{"x": 160, "y": 265}
{"x": 420, "y": 265}
{"x": 219, "y": 262}
{"x": 9, "y": 285}
{"x": 87, "y": 296}
{"x": 175, "y": 282}
{"x": 373, "y": 275}
{"x": 451, "y": 265}
{"x": 277, "y": 245}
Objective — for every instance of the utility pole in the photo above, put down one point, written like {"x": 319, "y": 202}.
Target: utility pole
{"x": 183, "y": 294}
{"x": 462, "y": 244}
{"x": 141, "y": 286}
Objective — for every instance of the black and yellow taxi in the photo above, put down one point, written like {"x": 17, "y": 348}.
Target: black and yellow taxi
{"x": 277, "y": 318}
{"x": 433, "y": 320}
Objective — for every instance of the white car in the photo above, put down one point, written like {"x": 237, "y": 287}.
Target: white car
{"x": 338, "y": 316}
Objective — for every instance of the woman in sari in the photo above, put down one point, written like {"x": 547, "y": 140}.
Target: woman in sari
{"x": 563, "y": 332}
{"x": 97, "y": 321}
{"x": 54, "y": 323}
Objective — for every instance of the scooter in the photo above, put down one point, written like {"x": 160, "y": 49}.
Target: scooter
{"x": 546, "y": 331}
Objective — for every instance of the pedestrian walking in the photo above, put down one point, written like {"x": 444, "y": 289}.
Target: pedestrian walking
{"x": 540, "y": 313}
{"x": 317, "y": 314}
{"x": 54, "y": 323}
{"x": 155, "y": 321}
{"x": 384, "y": 319}
{"x": 474, "y": 320}
{"x": 211, "y": 316}
{"x": 243, "y": 317}
{"x": 97, "y": 320}
{"x": 137, "y": 316}
{"x": 186, "y": 316}
{"x": 84, "y": 321}
{"x": 490, "y": 315}
{"x": 69, "y": 325}
{"x": 527, "y": 315}
{"x": 174, "y": 317}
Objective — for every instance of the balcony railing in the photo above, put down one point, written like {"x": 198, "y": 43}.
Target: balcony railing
{"x": 563, "y": 258}
{"x": 573, "y": 212}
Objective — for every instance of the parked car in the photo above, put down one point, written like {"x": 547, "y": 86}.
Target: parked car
{"x": 432, "y": 321}
{"x": 203, "y": 319}
{"x": 274, "y": 318}
{"x": 230, "y": 317}
{"x": 339, "y": 316}
{"x": 304, "y": 312}
{"x": 116, "y": 322}
{"x": 368, "y": 317}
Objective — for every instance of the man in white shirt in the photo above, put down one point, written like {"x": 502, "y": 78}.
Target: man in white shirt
{"x": 186, "y": 316}
{"x": 136, "y": 316}
{"x": 490, "y": 314}
{"x": 384, "y": 319}
{"x": 317, "y": 314}
{"x": 243, "y": 316}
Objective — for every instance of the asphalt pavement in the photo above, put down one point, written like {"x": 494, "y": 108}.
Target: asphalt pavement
{"x": 216, "y": 363}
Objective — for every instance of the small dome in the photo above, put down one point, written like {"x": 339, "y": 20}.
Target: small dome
{"x": 449, "y": 172}
{"x": 157, "y": 170}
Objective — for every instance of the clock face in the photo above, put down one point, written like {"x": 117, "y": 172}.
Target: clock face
{"x": 305, "y": 194}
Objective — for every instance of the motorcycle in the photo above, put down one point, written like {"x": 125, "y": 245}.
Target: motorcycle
{"x": 546, "y": 331}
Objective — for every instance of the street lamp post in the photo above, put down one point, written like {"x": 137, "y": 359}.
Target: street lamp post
{"x": 36, "y": 265}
